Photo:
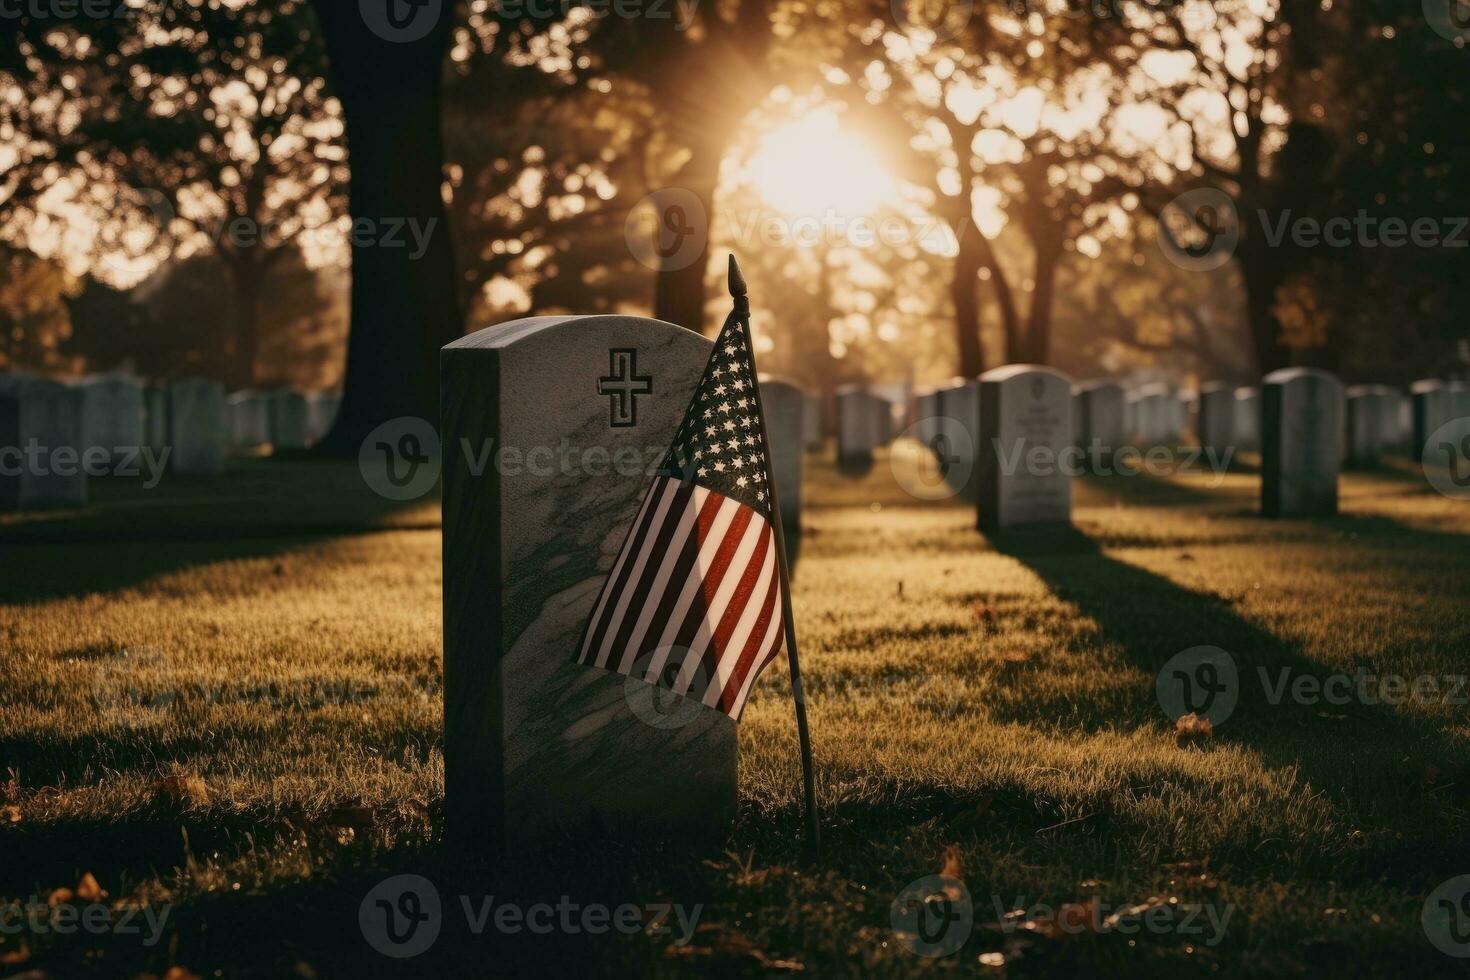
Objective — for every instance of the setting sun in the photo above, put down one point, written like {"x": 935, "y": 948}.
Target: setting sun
{"x": 810, "y": 166}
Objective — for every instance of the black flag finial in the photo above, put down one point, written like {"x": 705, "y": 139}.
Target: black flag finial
{"x": 737, "y": 286}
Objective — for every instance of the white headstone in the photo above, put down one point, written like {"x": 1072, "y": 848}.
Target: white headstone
{"x": 155, "y": 414}
{"x": 1101, "y": 417}
{"x": 1301, "y": 439}
{"x": 197, "y": 431}
{"x": 1248, "y": 419}
{"x": 321, "y": 412}
{"x": 959, "y": 414}
{"x": 1216, "y": 421}
{"x": 248, "y": 413}
{"x": 40, "y": 444}
{"x": 1026, "y": 435}
{"x": 784, "y": 403}
{"x": 861, "y": 426}
{"x": 112, "y": 414}
{"x": 811, "y": 421}
{"x": 535, "y": 741}
{"x": 1154, "y": 414}
{"x": 1371, "y": 415}
{"x": 289, "y": 427}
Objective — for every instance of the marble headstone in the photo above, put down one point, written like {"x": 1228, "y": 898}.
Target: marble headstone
{"x": 861, "y": 426}
{"x": 1100, "y": 416}
{"x": 112, "y": 414}
{"x": 811, "y": 421}
{"x": 784, "y": 403}
{"x": 1026, "y": 429}
{"x": 288, "y": 422}
{"x": 959, "y": 412}
{"x": 155, "y": 416}
{"x": 197, "y": 430}
{"x": 1301, "y": 439}
{"x": 1154, "y": 414}
{"x": 321, "y": 413}
{"x": 576, "y": 411}
{"x": 41, "y": 439}
{"x": 1369, "y": 421}
{"x": 1431, "y": 399}
{"x": 248, "y": 413}
{"x": 1216, "y": 422}
{"x": 1248, "y": 419}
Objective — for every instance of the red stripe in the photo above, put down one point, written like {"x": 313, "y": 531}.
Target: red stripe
{"x": 752, "y": 645}
{"x": 739, "y": 599}
{"x": 760, "y": 667}
{"x": 699, "y": 608}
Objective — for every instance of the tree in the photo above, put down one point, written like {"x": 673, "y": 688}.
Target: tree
{"x": 404, "y": 307}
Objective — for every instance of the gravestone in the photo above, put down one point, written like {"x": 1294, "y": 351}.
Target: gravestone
{"x": 926, "y": 408}
{"x": 1432, "y": 401}
{"x": 40, "y": 444}
{"x": 321, "y": 413}
{"x": 577, "y": 410}
{"x": 1101, "y": 417}
{"x": 1372, "y": 416}
{"x": 248, "y": 413}
{"x": 155, "y": 415}
{"x": 197, "y": 430}
{"x": 288, "y": 423}
{"x": 1459, "y": 406}
{"x": 811, "y": 421}
{"x": 784, "y": 404}
{"x": 112, "y": 414}
{"x": 1185, "y": 415}
{"x": 861, "y": 426}
{"x": 1401, "y": 410}
{"x": 1025, "y": 428}
{"x": 1154, "y": 413}
{"x": 1301, "y": 439}
{"x": 1248, "y": 419}
{"x": 959, "y": 426}
{"x": 1216, "y": 423}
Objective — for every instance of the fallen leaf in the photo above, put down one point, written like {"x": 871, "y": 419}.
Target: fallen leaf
{"x": 88, "y": 890}
{"x": 1015, "y": 656}
{"x": 59, "y": 897}
{"x": 9, "y": 814}
{"x": 953, "y": 868}
{"x": 182, "y": 789}
{"x": 1193, "y": 726}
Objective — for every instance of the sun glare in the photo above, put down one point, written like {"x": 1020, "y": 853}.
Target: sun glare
{"x": 811, "y": 166}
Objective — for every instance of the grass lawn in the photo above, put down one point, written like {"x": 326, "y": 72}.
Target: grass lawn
{"x": 223, "y": 699}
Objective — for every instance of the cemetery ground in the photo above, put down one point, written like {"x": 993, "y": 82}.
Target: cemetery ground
{"x": 222, "y": 698}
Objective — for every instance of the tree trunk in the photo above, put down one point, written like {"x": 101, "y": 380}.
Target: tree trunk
{"x": 1262, "y": 272}
{"x": 678, "y": 292}
{"x": 404, "y": 304}
{"x": 1048, "y": 257}
{"x": 964, "y": 290}
{"x": 247, "y": 278}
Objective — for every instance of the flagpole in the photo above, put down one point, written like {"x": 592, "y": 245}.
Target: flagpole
{"x": 803, "y": 734}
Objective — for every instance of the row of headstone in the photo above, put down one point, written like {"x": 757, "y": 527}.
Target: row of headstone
{"x": 283, "y": 418}
{"x": 42, "y": 433}
{"x": 864, "y": 422}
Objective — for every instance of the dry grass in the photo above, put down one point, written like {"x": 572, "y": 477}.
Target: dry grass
{"x": 234, "y": 710}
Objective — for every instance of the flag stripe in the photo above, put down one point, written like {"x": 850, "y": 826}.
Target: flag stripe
{"x": 652, "y": 562}
{"x": 735, "y": 608}
{"x": 664, "y": 490}
{"x": 733, "y": 555}
{"x": 751, "y": 675}
{"x": 612, "y": 576}
{"x": 683, "y": 531}
{"x": 714, "y": 518}
{"x": 741, "y": 662}
{"x": 743, "y": 644}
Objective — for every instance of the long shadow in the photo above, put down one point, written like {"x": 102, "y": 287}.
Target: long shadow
{"x": 1342, "y": 749}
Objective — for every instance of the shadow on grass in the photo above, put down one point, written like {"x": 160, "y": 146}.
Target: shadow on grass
{"x": 1364, "y": 755}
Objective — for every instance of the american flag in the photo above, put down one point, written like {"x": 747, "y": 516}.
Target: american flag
{"x": 694, "y": 602}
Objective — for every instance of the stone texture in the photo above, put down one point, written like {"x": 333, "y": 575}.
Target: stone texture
{"x": 1302, "y": 427}
{"x": 1023, "y": 407}
{"x": 112, "y": 414}
{"x": 535, "y": 742}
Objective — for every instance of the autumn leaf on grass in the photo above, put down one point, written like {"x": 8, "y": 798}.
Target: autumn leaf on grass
{"x": 181, "y": 789}
{"x": 88, "y": 890}
{"x": 9, "y": 814}
{"x": 717, "y": 948}
{"x": 1193, "y": 726}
